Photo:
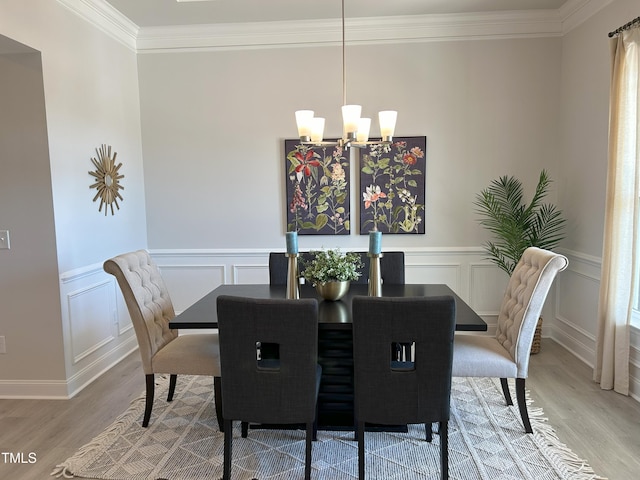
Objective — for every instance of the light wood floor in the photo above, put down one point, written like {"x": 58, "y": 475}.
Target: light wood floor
{"x": 602, "y": 427}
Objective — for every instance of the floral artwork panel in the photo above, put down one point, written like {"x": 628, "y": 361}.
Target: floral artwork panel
{"x": 392, "y": 186}
{"x": 318, "y": 197}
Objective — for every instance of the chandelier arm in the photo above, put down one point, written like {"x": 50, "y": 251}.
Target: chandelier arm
{"x": 350, "y": 116}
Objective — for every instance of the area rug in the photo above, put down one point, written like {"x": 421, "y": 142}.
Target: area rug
{"x": 182, "y": 442}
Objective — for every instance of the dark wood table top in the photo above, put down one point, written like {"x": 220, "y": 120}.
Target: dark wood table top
{"x": 331, "y": 315}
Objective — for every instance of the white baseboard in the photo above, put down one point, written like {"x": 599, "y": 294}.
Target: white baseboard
{"x": 63, "y": 390}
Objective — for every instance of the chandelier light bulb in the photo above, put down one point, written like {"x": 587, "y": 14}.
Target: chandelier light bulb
{"x": 387, "y": 119}
{"x": 317, "y": 129}
{"x": 364, "y": 126}
{"x": 350, "y": 118}
{"x": 355, "y": 130}
{"x": 303, "y": 120}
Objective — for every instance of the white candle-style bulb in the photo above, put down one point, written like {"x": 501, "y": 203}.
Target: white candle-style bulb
{"x": 387, "y": 119}
{"x": 317, "y": 129}
{"x": 350, "y": 118}
{"x": 364, "y": 126}
{"x": 303, "y": 120}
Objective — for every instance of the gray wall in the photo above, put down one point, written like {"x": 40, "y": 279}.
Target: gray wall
{"x": 84, "y": 84}
{"x": 586, "y": 61}
{"x": 214, "y": 125}
{"x": 211, "y": 125}
{"x": 30, "y": 315}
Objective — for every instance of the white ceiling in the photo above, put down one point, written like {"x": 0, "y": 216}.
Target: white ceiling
{"x": 150, "y": 13}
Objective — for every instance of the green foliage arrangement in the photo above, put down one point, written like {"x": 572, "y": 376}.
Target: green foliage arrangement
{"x": 515, "y": 225}
{"x": 331, "y": 265}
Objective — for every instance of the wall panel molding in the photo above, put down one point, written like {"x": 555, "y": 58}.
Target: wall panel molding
{"x": 575, "y": 316}
{"x": 97, "y": 329}
{"x": 568, "y": 318}
{"x": 90, "y": 319}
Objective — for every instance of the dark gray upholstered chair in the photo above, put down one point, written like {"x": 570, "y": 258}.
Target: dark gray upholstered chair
{"x": 161, "y": 349}
{"x": 506, "y": 355}
{"x": 280, "y": 390}
{"x": 391, "y": 268}
{"x": 278, "y": 267}
{"x": 388, "y": 392}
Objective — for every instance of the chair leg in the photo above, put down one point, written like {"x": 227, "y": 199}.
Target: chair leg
{"x": 150, "y": 381}
{"x": 444, "y": 450}
{"x": 307, "y": 455}
{"x": 522, "y": 404}
{"x": 406, "y": 348}
{"x": 360, "y": 436}
{"x": 315, "y": 424}
{"x": 505, "y": 391}
{"x": 172, "y": 387}
{"x": 217, "y": 394}
{"x": 228, "y": 440}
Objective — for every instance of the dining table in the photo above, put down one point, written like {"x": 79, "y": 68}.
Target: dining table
{"x": 335, "y": 338}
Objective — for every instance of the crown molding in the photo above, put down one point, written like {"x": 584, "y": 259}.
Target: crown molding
{"x": 366, "y": 30}
{"x": 575, "y": 12}
{"x": 105, "y": 18}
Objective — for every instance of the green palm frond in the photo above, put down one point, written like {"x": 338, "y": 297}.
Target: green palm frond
{"x": 515, "y": 225}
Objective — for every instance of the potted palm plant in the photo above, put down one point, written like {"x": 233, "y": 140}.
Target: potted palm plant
{"x": 517, "y": 226}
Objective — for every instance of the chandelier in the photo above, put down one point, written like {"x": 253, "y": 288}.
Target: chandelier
{"x": 355, "y": 129}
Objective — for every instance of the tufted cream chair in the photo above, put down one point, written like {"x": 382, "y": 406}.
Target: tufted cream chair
{"x": 507, "y": 354}
{"x": 161, "y": 348}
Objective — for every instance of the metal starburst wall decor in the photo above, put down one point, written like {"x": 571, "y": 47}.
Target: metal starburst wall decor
{"x": 107, "y": 179}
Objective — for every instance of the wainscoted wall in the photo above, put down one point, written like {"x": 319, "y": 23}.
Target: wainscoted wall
{"x": 634, "y": 364}
{"x": 98, "y": 331}
{"x": 190, "y": 274}
{"x": 576, "y": 314}
{"x": 577, "y": 308}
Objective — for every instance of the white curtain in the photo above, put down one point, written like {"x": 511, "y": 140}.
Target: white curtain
{"x": 620, "y": 253}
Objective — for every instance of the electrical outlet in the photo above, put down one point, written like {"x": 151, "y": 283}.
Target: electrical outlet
{"x": 3, "y": 345}
{"x": 4, "y": 240}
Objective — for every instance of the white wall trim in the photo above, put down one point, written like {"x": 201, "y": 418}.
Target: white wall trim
{"x": 102, "y": 364}
{"x": 80, "y": 273}
{"x": 105, "y": 18}
{"x": 575, "y": 12}
{"x": 466, "y": 267}
{"x": 78, "y": 356}
{"x": 365, "y": 30}
{"x": 590, "y": 260}
{"x": 359, "y": 31}
{"x": 159, "y": 253}
{"x": 97, "y": 332}
{"x": 571, "y": 318}
{"x": 34, "y": 389}
{"x": 634, "y": 364}
{"x": 63, "y": 390}
{"x": 203, "y": 266}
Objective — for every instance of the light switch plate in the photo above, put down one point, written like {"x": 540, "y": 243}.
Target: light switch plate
{"x": 4, "y": 240}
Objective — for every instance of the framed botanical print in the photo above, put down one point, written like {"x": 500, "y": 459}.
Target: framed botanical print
{"x": 392, "y": 186}
{"x": 317, "y": 188}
